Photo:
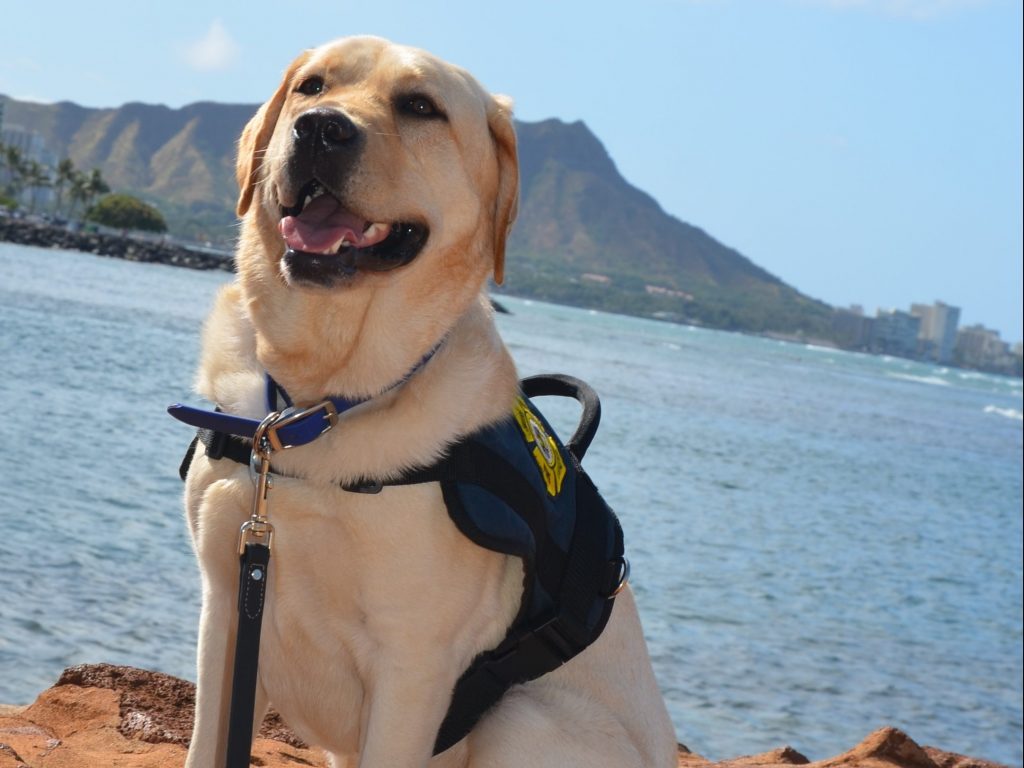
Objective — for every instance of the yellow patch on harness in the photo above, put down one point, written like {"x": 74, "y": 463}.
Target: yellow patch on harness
{"x": 545, "y": 450}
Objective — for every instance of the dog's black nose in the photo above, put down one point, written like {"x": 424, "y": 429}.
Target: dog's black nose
{"x": 326, "y": 129}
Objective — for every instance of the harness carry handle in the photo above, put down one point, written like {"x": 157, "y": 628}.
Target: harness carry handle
{"x": 563, "y": 385}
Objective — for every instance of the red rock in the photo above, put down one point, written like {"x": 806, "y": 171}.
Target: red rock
{"x": 125, "y": 718}
{"x": 885, "y": 748}
{"x": 130, "y": 718}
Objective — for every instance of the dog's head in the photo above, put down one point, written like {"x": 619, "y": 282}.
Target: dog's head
{"x": 378, "y": 185}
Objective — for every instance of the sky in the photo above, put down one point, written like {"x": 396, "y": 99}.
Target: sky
{"x": 864, "y": 151}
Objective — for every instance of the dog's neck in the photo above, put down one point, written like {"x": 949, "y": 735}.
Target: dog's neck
{"x": 279, "y": 399}
{"x": 471, "y": 381}
{"x": 353, "y": 340}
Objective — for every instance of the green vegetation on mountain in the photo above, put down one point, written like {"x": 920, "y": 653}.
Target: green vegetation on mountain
{"x": 585, "y": 236}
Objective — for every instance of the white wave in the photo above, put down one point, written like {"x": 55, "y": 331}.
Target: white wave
{"x": 934, "y": 380}
{"x": 1008, "y": 413}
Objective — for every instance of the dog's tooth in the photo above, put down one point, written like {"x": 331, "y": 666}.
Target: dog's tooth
{"x": 374, "y": 230}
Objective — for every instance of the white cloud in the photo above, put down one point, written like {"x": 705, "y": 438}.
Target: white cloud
{"x": 213, "y": 51}
{"x": 908, "y": 9}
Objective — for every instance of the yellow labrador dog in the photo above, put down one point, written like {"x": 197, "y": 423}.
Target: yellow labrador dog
{"x": 378, "y": 185}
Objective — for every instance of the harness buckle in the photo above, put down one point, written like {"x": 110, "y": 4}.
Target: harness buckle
{"x": 293, "y": 415}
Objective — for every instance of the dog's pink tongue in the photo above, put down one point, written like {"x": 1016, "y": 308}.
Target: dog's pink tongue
{"x": 321, "y": 226}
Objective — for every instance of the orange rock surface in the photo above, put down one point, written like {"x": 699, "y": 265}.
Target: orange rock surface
{"x": 122, "y": 717}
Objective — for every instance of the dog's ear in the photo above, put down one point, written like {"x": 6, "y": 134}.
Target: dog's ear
{"x": 252, "y": 145}
{"x": 506, "y": 203}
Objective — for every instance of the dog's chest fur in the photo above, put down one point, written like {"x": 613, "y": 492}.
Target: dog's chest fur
{"x": 359, "y": 584}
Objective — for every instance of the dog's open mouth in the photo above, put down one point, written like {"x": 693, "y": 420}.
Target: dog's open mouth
{"x": 326, "y": 242}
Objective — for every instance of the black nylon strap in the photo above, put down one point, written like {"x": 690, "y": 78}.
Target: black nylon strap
{"x": 591, "y": 571}
{"x": 526, "y": 657}
{"x": 252, "y": 588}
{"x": 585, "y": 605}
{"x": 186, "y": 461}
{"x": 220, "y": 445}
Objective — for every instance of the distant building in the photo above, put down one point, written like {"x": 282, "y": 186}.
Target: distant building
{"x": 660, "y": 290}
{"x": 851, "y": 329}
{"x": 31, "y": 143}
{"x": 981, "y": 347}
{"x": 937, "y": 336}
{"x": 895, "y": 333}
{"x": 32, "y": 146}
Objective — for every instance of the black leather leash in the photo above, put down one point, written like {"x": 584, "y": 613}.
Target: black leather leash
{"x": 254, "y": 541}
{"x": 251, "y": 593}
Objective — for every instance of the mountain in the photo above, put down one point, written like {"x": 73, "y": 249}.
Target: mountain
{"x": 584, "y": 236}
{"x": 182, "y": 160}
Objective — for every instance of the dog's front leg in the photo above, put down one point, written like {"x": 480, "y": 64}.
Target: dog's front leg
{"x": 217, "y": 630}
{"x": 407, "y": 704}
{"x": 217, "y": 626}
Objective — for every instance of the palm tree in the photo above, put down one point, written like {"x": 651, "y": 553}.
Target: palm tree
{"x": 14, "y": 162}
{"x": 35, "y": 178}
{"x": 94, "y": 187}
{"x": 77, "y": 193}
{"x": 64, "y": 177}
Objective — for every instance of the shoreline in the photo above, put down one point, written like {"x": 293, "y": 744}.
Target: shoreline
{"x": 101, "y": 714}
{"x": 45, "y": 235}
{"x": 123, "y": 246}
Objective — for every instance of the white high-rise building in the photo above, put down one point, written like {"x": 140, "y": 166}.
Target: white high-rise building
{"x": 937, "y": 336}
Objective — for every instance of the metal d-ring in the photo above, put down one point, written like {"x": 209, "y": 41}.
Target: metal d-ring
{"x": 623, "y": 574}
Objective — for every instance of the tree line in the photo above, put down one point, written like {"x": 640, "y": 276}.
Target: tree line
{"x": 75, "y": 193}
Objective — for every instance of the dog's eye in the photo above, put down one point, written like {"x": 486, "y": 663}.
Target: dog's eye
{"x": 419, "y": 105}
{"x": 311, "y": 86}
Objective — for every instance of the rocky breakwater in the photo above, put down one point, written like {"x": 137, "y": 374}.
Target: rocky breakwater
{"x": 106, "y": 715}
{"x": 120, "y": 247}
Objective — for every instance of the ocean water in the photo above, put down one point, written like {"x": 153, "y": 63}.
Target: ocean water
{"x": 822, "y": 542}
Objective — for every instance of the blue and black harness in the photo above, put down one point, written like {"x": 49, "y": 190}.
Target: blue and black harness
{"x": 511, "y": 487}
